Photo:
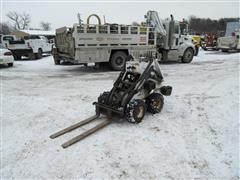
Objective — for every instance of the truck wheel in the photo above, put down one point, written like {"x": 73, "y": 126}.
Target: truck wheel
{"x": 39, "y": 54}
{"x": 10, "y": 64}
{"x": 56, "y": 60}
{"x": 32, "y": 56}
{"x": 154, "y": 103}
{"x": 118, "y": 60}
{"x": 17, "y": 57}
{"x": 135, "y": 111}
{"x": 188, "y": 55}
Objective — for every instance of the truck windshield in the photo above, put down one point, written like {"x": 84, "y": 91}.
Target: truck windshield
{"x": 8, "y": 38}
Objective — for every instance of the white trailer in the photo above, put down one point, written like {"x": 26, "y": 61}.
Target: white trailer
{"x": 31, "y": 46}
{"x": 87, "y": 43}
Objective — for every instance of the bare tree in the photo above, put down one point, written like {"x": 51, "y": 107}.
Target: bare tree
{"x": 26, "y": 19}
{"x": 5, "y": 28}
{"x": 45, "y": 26}
{"x": 21, "y": 20}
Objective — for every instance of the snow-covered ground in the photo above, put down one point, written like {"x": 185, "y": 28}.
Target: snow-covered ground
{"x": 195, "y": 136}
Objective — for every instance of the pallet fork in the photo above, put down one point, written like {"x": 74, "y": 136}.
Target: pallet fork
{"x": 82, "y": 123}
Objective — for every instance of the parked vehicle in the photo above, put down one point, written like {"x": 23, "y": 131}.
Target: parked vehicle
{"x": 88, "y": 43}
{"x": 6, "y": 56}
{"x": 4, "y": 39}
{"x": 31, "y": 46}
{"x": 231, "y": 40}
{"x": 210, "y": 42}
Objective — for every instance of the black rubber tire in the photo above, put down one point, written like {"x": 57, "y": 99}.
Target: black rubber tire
{"x": 188, "y": 55}
{"x": 39, "y": 54}
{"x": 10, "y": 64}
{"x": 118, "y": 60}
{"x": 154, "y": 103}
{"x": 103, "y": 97}
{"x": 32, "y": 56}
{"x": 55, "y": 56}
{"x": 17, "y": 57}
{"x": 135, "y": 111}
{"x": 56, "y": 60}
{"x": 224, "y": 50}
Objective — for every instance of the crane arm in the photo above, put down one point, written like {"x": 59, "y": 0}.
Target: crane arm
{"x": 154, "y": 21}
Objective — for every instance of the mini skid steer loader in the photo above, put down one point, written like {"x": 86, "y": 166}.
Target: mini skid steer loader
{"x": 137, "y": 89}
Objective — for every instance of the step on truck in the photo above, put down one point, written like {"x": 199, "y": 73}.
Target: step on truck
{"x": 97, "y": 43}
{"x": 32, "y": 46}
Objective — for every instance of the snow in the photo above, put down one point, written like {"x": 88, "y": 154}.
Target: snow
{"x": 195, "y": 136}
{"x": 39, "y": 32}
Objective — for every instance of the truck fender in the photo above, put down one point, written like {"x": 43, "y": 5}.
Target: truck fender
{"x": 182, "y": 48}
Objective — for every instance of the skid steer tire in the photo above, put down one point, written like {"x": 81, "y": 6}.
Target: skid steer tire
{"x": 188, "y": 55}
{"x": 154, "y": 103}
{"x": 118, "y": 60}
{"x": 103, "y": 97}
{"x": 135, "y": 111}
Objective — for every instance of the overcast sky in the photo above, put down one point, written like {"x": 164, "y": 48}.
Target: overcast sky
{"x": 65, "y": 13}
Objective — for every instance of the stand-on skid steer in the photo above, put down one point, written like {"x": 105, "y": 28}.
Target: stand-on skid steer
{"x": 137, "y": 89}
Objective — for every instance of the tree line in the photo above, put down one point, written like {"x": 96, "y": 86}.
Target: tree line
{"x": 20, "y": 21}
{"x": 207, "y": 25}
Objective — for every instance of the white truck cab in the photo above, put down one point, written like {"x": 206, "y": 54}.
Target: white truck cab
{"x": 171, "y": 44}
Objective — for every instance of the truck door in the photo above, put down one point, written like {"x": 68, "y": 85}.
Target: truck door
{"x": 176, "y": 35}
{"x": 45, "y": 45}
